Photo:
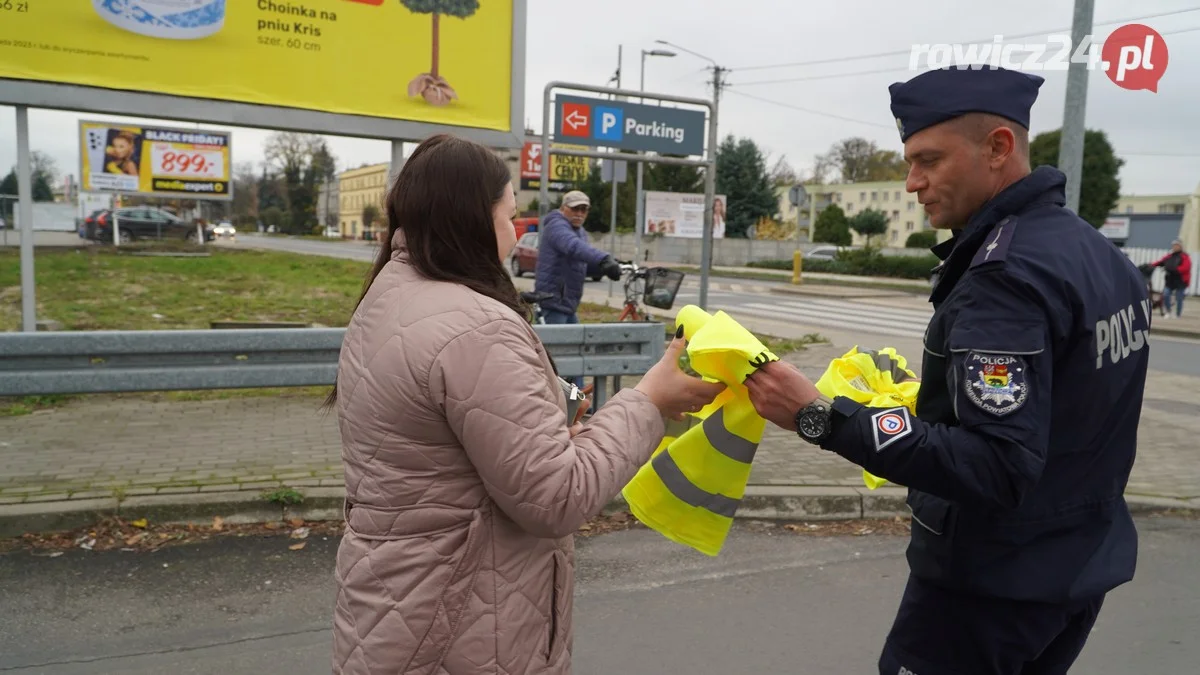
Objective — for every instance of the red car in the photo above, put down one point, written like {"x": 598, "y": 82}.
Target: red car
{"x": 525, "y": 257}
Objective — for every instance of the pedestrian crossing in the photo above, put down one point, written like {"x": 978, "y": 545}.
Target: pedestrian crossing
{"x": 873, "y": 318}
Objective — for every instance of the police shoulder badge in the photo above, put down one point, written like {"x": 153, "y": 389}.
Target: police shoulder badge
{"x": 889, "y": 426}
{"x": 996, "y": 383}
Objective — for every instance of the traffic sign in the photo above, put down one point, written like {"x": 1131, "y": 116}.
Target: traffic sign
{"x": 629, "y": 126}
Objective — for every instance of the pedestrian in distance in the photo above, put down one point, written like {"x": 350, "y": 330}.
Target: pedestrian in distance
{"x": 464, "y": 482}
{"x": 1178, "y": 267}
{"x": 1026, "y": 420}
{"x": 564, "y": 256}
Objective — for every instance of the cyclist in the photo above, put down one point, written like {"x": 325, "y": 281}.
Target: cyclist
{"x": 564, "y": 255}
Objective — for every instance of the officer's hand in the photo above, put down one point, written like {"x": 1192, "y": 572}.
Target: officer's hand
{"x": 778, "y": 391}
{"x": 611, "y": 268}
{"x": 674, "y": 392}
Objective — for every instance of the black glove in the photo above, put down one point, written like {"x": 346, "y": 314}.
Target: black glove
{"x": 611, "y": 268}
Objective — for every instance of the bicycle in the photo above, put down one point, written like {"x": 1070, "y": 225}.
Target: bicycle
{"x": 655, "y": 286}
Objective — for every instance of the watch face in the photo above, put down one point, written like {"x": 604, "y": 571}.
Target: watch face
{"x": 813, "y": 423}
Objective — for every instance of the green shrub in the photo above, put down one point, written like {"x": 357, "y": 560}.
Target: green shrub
{"x": 863, "y": 262}
{"x": 925, "y": 239}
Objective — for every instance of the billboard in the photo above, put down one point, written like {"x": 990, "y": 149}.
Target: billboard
{"x": 675, "y": 214}
{"x": 397, "y": 66}
{"x": 566, "y": 173}
{"x": 154, "y": 161}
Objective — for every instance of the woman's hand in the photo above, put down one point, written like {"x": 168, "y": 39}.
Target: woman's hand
{"x": 673, "y": 391}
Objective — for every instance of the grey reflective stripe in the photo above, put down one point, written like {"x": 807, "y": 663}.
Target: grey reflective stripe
{"x": 886, "y": 363}
{"x": 726, "y": 442}
{"x": 679, "y": 485}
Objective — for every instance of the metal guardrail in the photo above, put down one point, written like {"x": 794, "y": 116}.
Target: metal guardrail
{"x": 128, "y": 361}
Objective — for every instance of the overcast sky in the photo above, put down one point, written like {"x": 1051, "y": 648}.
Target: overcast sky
{"x": 1158, "y": 134}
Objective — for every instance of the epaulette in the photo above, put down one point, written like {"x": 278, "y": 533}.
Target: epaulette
{"x": 995, "y": 247}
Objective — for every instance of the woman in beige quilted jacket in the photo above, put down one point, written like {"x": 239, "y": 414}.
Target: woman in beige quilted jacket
{"x": 464, "y": 484}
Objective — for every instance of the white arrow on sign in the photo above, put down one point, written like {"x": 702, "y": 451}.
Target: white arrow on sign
{"x": 575, "y": 120}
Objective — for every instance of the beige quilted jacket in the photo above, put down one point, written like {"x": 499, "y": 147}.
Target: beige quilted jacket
{"x": 463, "y": 486}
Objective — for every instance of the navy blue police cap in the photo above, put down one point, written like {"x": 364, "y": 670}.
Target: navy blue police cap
{"x": 939, "y": 95}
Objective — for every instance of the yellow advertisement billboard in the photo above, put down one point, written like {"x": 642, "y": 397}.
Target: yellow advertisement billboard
{"x": 446, "y": 62}
{"x": 154, "y": 161}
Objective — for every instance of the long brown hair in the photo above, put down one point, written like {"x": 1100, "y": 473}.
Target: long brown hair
{"x": 443, "y": 201}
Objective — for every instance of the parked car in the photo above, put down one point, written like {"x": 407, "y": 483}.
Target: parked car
{"x": 822, "y": 253}
{"x": 525, "y": 256}
{"x": 141, "y": 222}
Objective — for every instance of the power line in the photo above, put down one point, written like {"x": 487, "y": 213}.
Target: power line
{"x": 810, "y": 111}
{"x": 889, "y": 127}
{"x": 809, "y": 78}
{"x": 989, "y": 39}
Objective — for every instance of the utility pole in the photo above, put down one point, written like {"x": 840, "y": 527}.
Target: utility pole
{"x": 710, "y": 182}
{"x": 612, "y": 225}
{"x": 1070, "y": 149}
{"x": 639, "y": 206}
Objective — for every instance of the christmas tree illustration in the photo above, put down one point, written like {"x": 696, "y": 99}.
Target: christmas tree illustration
{"x": 432, "y": 86}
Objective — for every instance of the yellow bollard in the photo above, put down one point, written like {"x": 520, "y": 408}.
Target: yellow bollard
{"x": 796, "y": 267}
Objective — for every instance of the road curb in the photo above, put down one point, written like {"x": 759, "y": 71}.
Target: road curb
{"x": 761, "y": 502}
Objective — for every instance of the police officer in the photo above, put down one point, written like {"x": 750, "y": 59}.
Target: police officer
{"x": 1031, "y": 389}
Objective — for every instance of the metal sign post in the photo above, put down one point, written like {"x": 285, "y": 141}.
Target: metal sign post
{"x": 25, "y": 210}
{"x": 616, "y": 124}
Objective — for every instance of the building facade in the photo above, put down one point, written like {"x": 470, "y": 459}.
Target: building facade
{"x": 904, "y": 214}
{"x": 358, "y": 188}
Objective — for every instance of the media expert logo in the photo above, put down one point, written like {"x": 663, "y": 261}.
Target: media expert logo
{"x": 604, "y": 123}
{"x": 1133, "y": 56}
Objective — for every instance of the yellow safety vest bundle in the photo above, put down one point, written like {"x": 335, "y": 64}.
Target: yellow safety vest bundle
{"x": 877, "y": 379}
{"x": 690, "y": 489}
{"x": 692, "y": 486}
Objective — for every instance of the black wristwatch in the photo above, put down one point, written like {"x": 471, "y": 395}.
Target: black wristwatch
{"x": 813, "y": 421}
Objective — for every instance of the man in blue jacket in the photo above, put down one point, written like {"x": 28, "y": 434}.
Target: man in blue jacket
{"x": 564, "y": 255}
{"x": 1032, "y": 381}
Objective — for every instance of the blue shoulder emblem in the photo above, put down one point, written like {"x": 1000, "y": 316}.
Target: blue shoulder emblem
{"x": 996, "y": 247}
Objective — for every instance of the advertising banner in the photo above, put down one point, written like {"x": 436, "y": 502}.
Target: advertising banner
{"x": 674, "y": 214}
{"x": 154, "y": 161}
{"x": 566, "y": 173}
{"x": 432, "y": 61}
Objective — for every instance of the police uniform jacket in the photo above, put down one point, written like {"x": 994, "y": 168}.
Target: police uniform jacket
{"x": 1032, "y": 381}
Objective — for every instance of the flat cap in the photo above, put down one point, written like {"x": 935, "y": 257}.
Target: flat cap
{"x": 939, "y": 95}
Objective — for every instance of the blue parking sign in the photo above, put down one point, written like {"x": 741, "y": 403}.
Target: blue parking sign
{"x": 608, "y": 124}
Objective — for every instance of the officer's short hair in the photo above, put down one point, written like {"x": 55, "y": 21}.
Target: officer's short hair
{"x": 976, "y": 126}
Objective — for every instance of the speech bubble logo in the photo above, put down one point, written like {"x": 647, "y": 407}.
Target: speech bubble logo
{"x": 1135, "y": 57}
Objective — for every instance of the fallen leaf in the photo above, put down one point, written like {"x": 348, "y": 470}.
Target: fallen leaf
{"x": 218, "y": 523}
{"x": 296, "y": 522}
{"x": 585, "y": 528}
{"x": 140, "y": 522}
{"x": 300, "y": 533}
{"x": 792, "y": 527}
{"x": 297, "y": 547}
{"x": 135, "y": 539}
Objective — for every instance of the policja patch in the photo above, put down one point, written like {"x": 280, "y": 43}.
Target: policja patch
{"x": 996, "y": 383}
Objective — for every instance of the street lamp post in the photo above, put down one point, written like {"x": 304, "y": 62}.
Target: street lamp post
{"x": 639, "y": 203}
{"x": 710, "y": 177}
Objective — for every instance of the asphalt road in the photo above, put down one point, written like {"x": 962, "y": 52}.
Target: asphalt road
{"x": 838, "y": 321}
{"x": 772, "y": 602}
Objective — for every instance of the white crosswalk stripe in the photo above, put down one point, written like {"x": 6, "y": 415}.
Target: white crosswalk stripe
{"x": 849, "y": 315}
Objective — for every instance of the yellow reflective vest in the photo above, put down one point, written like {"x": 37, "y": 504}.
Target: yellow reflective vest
{"x": 878, "y": 379}
{"x": 693, "y": 484}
